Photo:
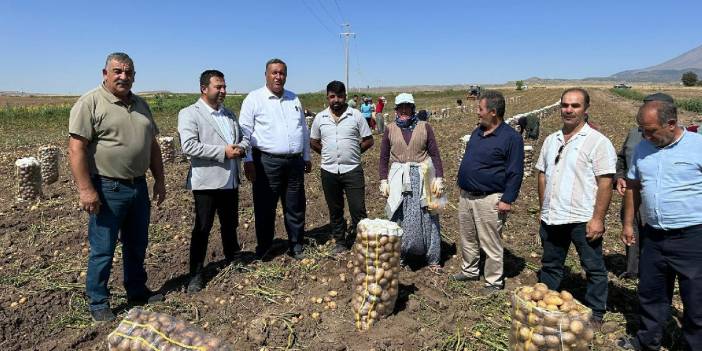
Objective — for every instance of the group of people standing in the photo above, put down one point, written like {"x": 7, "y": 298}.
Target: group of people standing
{"x": 112, "y": 144}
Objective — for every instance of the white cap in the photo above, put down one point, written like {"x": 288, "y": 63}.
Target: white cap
{"x": 404, "y": 98}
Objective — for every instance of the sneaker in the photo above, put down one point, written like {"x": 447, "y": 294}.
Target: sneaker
{"x": 195, "y": 284}
{"x": 628, "y": 343}
{"x": 460, "y": 277}
{"x": 491, "y": 289}
{"x": 150, "y": 298}
{"x": 339, "y": 248}
{"x": 103, "y": 315}
{"x": 261, "y": 253}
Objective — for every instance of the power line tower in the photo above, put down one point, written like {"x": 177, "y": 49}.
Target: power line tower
{"x": 347, "y": 35}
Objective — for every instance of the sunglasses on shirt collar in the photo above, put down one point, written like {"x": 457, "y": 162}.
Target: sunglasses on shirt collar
{"x": 558, "y": 155}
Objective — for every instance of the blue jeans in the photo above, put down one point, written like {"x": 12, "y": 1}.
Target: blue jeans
{"x": 125, "y": 211}
{"x": 556, "y": 241}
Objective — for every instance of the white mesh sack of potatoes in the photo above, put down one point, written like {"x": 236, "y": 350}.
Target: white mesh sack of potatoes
{"x": 168, "y": 152}
{"x": 49, "y": 161}
{"x": 544, "y": 319}
{"x": 376, "y": 268}
{"x": 28, "y": 175}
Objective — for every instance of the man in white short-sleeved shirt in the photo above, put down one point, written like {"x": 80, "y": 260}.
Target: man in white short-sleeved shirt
{"x": 340, "y": 135}
{"x": 576, "y": 167}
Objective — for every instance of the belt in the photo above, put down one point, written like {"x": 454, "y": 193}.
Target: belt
{"x": 123, "y": 180}
{"x": 283, "y": 156}
{"x": 478, "y": 193}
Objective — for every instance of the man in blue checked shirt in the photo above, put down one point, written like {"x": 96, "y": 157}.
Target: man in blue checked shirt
{"x": 666, "y": 177}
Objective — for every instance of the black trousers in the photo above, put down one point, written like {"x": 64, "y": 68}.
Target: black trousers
{"x": 279, "y": 178}
{"x": 665, "y": 255}
{"x": 354, "y": 185}
{"x": 225, "y": 202}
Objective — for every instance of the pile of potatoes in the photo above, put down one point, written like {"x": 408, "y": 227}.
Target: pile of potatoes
{"x": 146, "y": 331}
{"x": 528, "y": 160}
{"x": 376, "y": 268}
{"x": 28, "y": 179}
{"x": 168, "y": 152}
{"x": 544, "y": 319}
{"x": 49, "y": 161}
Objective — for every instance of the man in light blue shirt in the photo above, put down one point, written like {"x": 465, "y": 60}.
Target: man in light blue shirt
{"x": 666, "y": 177}
{"x": 274, "y": 131}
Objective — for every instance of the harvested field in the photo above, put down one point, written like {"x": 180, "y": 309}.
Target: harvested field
{"x": 270, "y": 305}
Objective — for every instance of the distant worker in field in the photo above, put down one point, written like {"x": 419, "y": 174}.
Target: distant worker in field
{"x": 665, "y": 179}
{"x": 340, "y": 135}
{"x": 412, "y": 182}
{"x": 353, "y": 103}
{"x": 379, "y": 118}
{"x": 367, "y": 111}
{"x": 576, "y": 166}
{"x": 422, "y": 115}
{"x": 276, "y": 139}
{"x": 209, "y": 135}
{"x": 112, "y": 143}
{"x": 490, "y": 177}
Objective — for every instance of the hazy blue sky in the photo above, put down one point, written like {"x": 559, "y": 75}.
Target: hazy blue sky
{"x": 60, "y": 46}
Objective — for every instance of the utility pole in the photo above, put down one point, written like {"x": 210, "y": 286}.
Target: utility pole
{"x": 347, "y": 35}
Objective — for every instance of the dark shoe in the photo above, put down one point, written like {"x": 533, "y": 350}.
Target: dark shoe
{"x": 262, "y": 253}
{"x": 460, "y": 277}
{"x": 103, "y": 315}
{"x": 150, "y": 298}
{"x": 491, "y": 289}
{"x": 339, "y": 248}
{"x": 596, "y": 323}
{"x": 297, "y": 255}
{"x": 628, "y": 343}
{"x": 196, "y": 284}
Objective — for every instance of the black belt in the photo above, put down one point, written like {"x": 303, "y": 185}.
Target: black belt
{"x": 123, "y": 180}
{"x": 284, "y": 156}
{"x": 478, "y": 193}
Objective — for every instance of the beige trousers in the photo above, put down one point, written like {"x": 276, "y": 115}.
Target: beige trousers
{"x": 480, "y": 227}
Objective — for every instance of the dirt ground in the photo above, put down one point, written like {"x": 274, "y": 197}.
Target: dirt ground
{"x": 269, "y": 305}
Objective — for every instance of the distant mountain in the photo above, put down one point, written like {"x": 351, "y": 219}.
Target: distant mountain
{"x": 668, "y": 71}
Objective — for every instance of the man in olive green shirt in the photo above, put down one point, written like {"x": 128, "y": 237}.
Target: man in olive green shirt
{"x": 112, "y": 143}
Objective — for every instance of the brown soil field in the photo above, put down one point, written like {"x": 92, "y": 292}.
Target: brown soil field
{"x": 268, "y": 305}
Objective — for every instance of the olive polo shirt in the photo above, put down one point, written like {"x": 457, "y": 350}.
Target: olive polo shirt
{"x": 120, "y": 134}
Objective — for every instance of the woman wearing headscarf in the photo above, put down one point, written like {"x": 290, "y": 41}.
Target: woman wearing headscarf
{"x": 413, "y": 180}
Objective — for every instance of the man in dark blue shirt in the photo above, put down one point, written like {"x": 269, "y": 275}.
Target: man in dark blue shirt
{"x": 489, "y": 177}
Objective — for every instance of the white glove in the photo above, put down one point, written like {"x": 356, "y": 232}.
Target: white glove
{"x": 437, "y": 186}
{"x": 384, "y": 188}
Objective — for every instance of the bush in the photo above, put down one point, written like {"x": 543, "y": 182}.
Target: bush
{"x": 689, "y": 79}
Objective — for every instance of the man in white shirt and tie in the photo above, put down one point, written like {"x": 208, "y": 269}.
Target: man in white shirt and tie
{"x": 209, "y": 134}
{"x": 275, "y": 135}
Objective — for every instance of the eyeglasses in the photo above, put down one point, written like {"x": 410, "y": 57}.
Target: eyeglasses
{"x": 565, "y": 105}
{"x": 558, "y": 156}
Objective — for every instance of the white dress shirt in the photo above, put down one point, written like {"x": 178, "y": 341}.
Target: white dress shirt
{"x": 274, "y": 125}
{"x": 222, "y": 122}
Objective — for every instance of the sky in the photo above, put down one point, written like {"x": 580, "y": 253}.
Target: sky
{"x": 60, "y": 46}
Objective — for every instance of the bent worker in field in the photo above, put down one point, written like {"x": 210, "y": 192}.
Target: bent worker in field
{"x": 112, "y": 142}
{"x": 340, "y": 134}
{"x": 576, "y": 166}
